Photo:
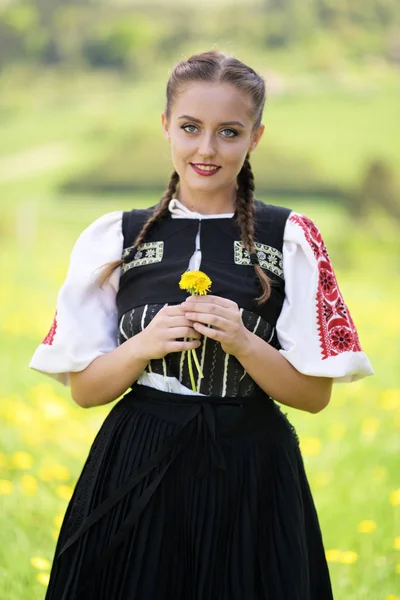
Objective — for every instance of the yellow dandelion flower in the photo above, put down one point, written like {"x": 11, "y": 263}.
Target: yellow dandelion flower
{"x": 40, "y": 563}
{"x": 57, "y": 520}
{"x": 29, "y": 485}
{"x": 390, "y": 399}
{"x": 392, "y": 597}
{"x": 22, "y": 460}
{"x": 53, "y": 471}
{"x": 396, "y": 543}
{"x": 6, "y": 487}
{"x": 43, "y": 578}
{"x": 310, "y": 446}
{"x": 348, "y": 557}
{"x": 64, "y": 491}
{"x": 196, "y": 283}
{"x": 366, "y": 526}
{"x": 332, "y": 555}
{"x": 395, "y": 497}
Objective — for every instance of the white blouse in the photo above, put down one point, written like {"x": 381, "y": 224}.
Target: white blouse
{"x": 315, "y": 329}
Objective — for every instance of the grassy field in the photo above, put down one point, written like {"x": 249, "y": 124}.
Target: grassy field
{"x": 351, "y": 449}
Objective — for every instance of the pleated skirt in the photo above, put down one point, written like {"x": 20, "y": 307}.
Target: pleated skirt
{"x": 191, "y": 498}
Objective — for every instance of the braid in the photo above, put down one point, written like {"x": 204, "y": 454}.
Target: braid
{"x": 160, "y": 210}
{"x": 245, "y": 221}
{"x": 159, "y": 213}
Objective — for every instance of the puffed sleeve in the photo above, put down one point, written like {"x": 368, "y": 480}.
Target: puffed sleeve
{"x": 315, "y": 329}
{"x": 85, "y": 323}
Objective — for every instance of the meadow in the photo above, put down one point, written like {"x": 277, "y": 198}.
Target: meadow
{"x": 351, "y": 449}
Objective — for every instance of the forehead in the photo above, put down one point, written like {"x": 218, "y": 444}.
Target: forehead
{"x": 213, "y": 102}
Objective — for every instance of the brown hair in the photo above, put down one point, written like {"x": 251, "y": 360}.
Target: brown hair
{"x": 214, "y": 66}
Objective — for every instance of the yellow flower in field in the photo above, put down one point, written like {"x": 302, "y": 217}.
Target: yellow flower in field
{"x": 53, "y": 471}
{"x": 390, "y": 399}
{"x": 392, "y": 597}
{"x": 396, "y": 543}
{"x": 196, "y": 283}
{"x": 332, "y": 555}
{"x": 22, "y": 460}
{"x": 29, "y": 485}
{"x": 366, "y": 526}
{"x": 40, "y": 563}
{"x": 58, "y": 519}
{"x": 369, "y": 427}
{"x": 43, "y": 578}
{"x": 395, "y": 497}
{"x": 310, "y": 446}
{"x": 64, "y": 491}
{"x": 6, "y": 487}
{"x": 348, "y": 557}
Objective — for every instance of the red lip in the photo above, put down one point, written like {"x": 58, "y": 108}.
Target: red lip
{"x": 205, "y": 173}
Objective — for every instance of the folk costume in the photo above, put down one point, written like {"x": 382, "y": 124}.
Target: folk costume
{"x": 197, "y": 495}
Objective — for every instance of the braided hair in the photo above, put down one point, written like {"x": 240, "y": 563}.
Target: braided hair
{"x": 245, "y": 222}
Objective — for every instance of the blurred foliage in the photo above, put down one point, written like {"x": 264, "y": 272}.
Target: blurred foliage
{"x": 124, "y": 35}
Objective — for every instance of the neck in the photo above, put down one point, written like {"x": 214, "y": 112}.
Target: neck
{"x": 217, "y": 203}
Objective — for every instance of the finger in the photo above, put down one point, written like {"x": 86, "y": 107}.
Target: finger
{"x": 214, "y": 334}
{"x": 219, "y": 300}
{"x": 182, "y": 332}
{"x": 210, "y": 319}
{"x": 177, "y": 321}
{"x": 172, "y": 310}
{"x": 175, "y": 346}
{"x": 204, "y": 307}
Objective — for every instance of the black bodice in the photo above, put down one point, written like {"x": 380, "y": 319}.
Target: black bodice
{"x": 150, "y": 279}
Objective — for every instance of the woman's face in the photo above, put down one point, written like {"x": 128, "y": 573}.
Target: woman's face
{"x": 210, "y": 131}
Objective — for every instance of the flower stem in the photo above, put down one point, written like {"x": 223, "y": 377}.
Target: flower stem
{"x": 191, "y": 370}
{"x": 196, "y": 360}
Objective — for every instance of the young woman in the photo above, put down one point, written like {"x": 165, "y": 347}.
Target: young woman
{"x": 199, "y": 494}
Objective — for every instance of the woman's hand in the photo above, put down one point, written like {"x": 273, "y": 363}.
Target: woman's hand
{"x": 223, "y": 316}
{"x": 163, "y": 333}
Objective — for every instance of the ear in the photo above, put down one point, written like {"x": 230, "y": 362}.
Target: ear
{"x": 165, "y": 126}
{"x": 256, "y": 137}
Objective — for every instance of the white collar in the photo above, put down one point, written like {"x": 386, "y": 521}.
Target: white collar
{"x": 179, "y": 211}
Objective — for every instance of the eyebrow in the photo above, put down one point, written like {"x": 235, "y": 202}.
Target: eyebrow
{"x": 225, "y": 124}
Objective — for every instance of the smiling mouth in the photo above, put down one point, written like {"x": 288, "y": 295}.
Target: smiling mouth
{"x": 205, "y": 169}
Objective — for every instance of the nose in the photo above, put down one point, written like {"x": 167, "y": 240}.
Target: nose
{"x": 207, "y": 147}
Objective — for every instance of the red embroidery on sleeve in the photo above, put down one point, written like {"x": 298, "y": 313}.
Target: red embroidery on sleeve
{"x": 48, "y": 340}
{"x": 337, "y": 332}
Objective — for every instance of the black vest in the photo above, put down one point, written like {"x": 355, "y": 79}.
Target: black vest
{"x": 150, "y": 279}
{"x": 153, "y": 277}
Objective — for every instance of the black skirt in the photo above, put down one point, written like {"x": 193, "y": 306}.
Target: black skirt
{"x": 191, "y": 498}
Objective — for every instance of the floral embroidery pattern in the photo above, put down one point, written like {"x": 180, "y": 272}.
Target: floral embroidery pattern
{"x": 269, "y": 258}
{"x": 48, "y": 340}
{"x": 146, "y": 254}
{"x": 337, "y": 332}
